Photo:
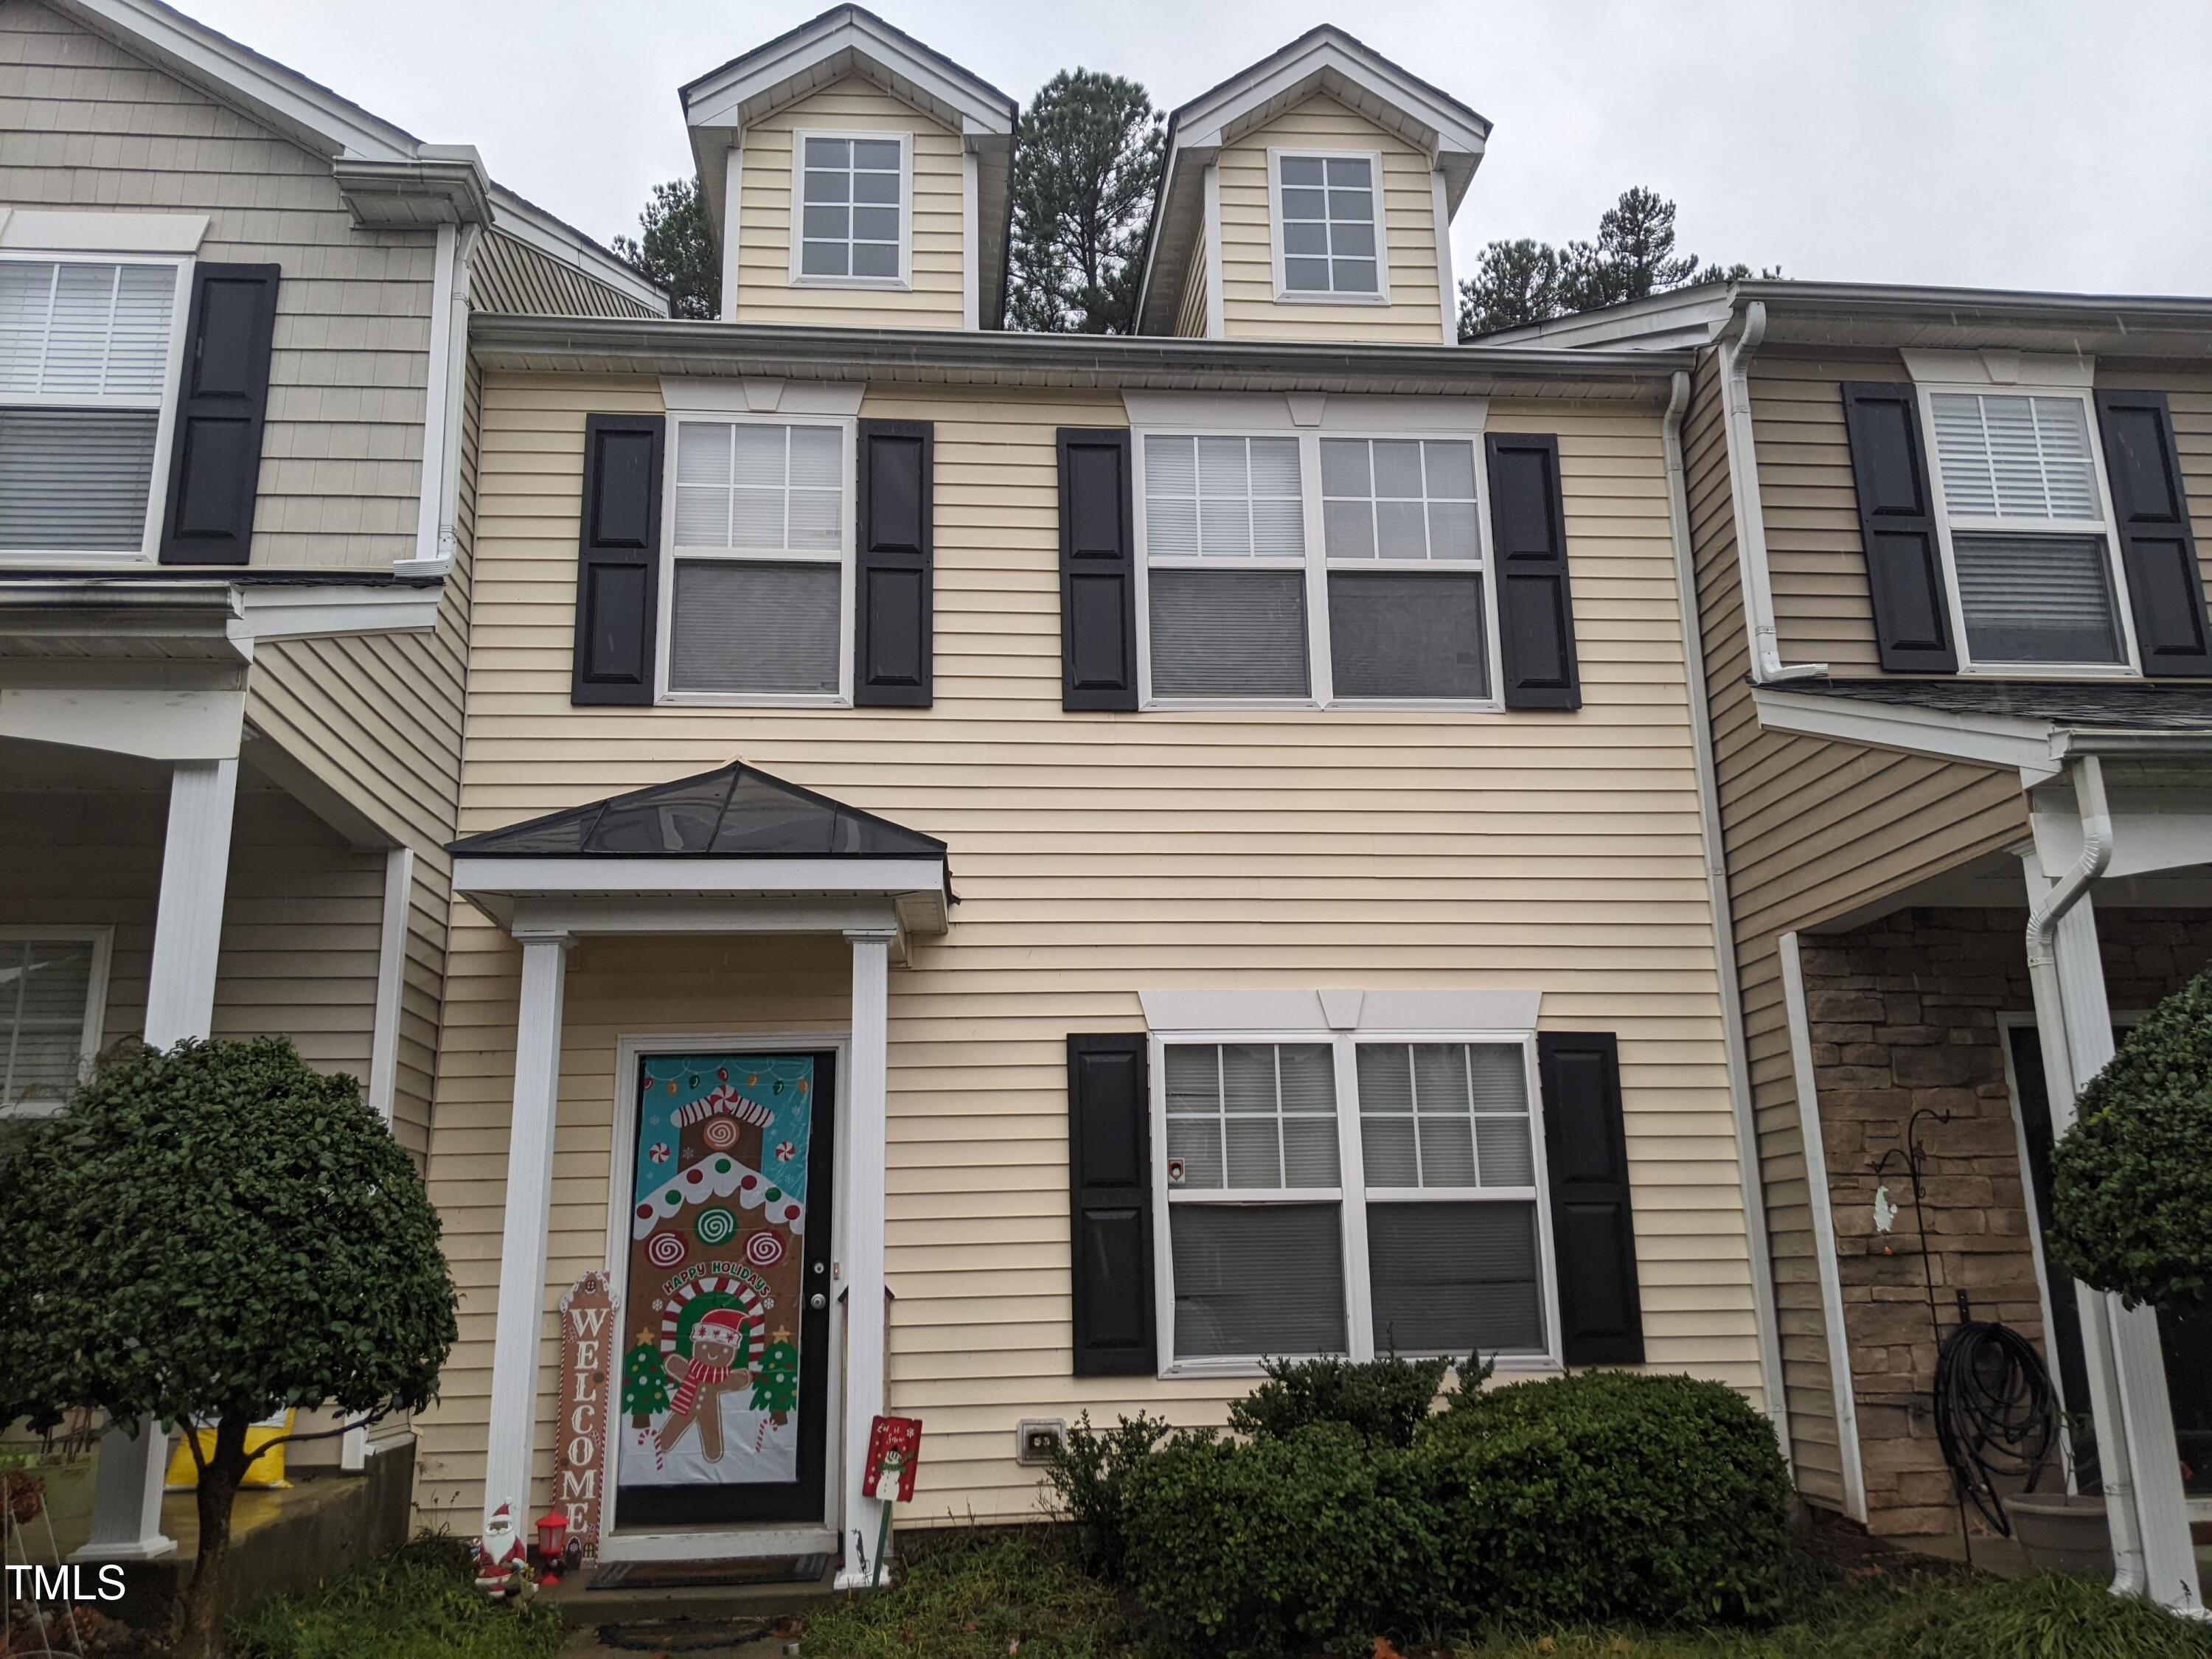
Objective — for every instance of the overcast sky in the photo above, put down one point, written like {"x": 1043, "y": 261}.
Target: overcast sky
{"x": 2009, "y": 143}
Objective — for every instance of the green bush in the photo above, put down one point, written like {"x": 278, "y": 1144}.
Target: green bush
{"x": 1608, "y": 1495}
{"x": 2131, "y": 1182}
{"x": 2045, "y": 1617}
{"x": 1385, "y": 1400}
{"x": 978, "y": 1595}
{"x": 1088, "y": 1476}
{"x": 1279, "y": 1543}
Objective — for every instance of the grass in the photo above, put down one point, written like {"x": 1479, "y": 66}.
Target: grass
{"x": 983, "y": 1595}
{"x": 416, "y": 1603}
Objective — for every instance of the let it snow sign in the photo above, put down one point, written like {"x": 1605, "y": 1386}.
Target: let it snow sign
{"x": 580, "y": 1461}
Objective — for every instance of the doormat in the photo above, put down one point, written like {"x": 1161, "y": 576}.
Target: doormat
{"x": 707, "y": 1636}
{"x": 684, "y": 1575}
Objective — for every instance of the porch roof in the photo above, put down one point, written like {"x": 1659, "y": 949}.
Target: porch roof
{"x": 2100, "y": 705}
{"x": 730, "y": 849}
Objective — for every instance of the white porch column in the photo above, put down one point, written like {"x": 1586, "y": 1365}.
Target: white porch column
{"x": 126, "y": 1502}
{"x": 520, "y": 1325}
{"x": 2147, "y": 1507}
{"x": 862, "y": 1152}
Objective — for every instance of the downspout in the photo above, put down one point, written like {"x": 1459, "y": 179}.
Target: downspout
{"x": 2131, "y": 1568}
{"x": 1732, "y": 1034}
{"x": 1766, "y": 665}
{"x": 436, "y": 541}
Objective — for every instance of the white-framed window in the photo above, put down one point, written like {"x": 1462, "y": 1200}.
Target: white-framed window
{"x": 1327, "y": 225}
{"x": 1354, "y": 1194}
{"x": 53, "y": 996}
{"x": 89, "y": 354}
{"x": 852, "y": 208}
{"x": 2031, "y": 561}
{"x": 1315, "y": 567}
{"x": 756, "y": 578}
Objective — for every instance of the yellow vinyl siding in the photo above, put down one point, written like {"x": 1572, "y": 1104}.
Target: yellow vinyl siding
{"x": 1190, "y": 315}
{"x": 1814, "y": 830}
{"x": 1249, "y": 308}
{"x": 765, "y": 291}
{"x": 1095, "y": 855}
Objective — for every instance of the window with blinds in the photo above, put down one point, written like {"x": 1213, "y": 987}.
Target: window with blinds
{"x": 1442, "y": 1198}
{"x": 2031, "y": 549}
{"x": 84, "y": 370}
{"x": 1395, "y": 570}
{"x": 756, "y": 602}
{"x": 47, "y": 982}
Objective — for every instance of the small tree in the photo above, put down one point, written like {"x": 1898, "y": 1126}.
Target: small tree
{"x": 1086, "y": 164}
{"x": 677, "y": 249}
{"x": 217, "y": 1233}
{"x": 2131, "y": 1182}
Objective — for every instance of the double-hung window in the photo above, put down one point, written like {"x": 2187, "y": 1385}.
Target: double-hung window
{"x": 2034, "y": 577}
{"x": 1353, "y": 1194}
{"x": 1329, "y": 226}
{"x": 1315, "y": 567}
{"x": 87, "y": 360}
{"x": 853, "y": 204}
{"x": 758, "y": 588}
{"x": 54, "y": 984}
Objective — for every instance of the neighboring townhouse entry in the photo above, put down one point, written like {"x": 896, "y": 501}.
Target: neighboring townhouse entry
{"x": 726, "y": 1295}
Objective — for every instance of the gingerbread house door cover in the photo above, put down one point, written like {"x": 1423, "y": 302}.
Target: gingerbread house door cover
{"x": 723, "y": 1409}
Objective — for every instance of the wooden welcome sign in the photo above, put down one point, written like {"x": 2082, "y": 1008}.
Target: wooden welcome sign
{"x": 580, "y": 1456}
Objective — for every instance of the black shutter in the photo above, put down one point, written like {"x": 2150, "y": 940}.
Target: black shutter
{"x": 1528, "y": 533}
{"x": 1097, "y": 572}
{"x": 1110, "y": 1205}
{"x": 215, "y": 459}
{"x": 617, "y": 569}
{"x": 1897, "y": 523}
{"x": 891, "y": 604}
{"x": 2166, "y": 584}
{"x": 1593, "y": 1233}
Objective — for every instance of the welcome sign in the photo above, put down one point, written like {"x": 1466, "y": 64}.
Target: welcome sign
{"x": 580, "y": 1456}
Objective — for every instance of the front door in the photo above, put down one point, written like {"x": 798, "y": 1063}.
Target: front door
{"x": 2185, "y": 1339}
{"x": 725, "y": 1311}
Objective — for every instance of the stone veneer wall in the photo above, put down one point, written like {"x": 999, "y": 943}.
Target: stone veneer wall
{"x": 1903, "y": 1015}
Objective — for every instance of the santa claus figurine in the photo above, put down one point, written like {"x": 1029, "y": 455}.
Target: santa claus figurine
{"x": 717, "y": 1364}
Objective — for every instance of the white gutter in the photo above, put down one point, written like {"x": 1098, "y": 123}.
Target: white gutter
{"x": 2131, "y": 1567}
{"x": 436, "y": 541}
{"x": 1766, "y": 665}
{"x": 1709, "y": 807}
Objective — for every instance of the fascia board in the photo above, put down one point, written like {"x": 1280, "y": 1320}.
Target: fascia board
{"x": 1999, "y": 740}
{"x": 304, "y": 613}
{"x": 1214, "y": 121}
{"x": 522, "y": 877}
{"x": 736, "y": 94}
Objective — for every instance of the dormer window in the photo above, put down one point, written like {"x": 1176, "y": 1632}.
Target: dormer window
{"x": 1326, "y": 227}
{"x": 853, "y": 211}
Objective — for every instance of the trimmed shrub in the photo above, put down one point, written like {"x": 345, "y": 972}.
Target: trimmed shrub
{"x": 1609, "y": 1495}
{"x": 1384, "y": 1400}
{"x": 2131, "y": 1182}
{"x": 1088, "y": 1476}
{"x": 1279, "y": 1543}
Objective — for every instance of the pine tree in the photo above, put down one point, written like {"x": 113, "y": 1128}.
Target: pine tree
{"x": 645, "y": 1382}
{"x": 775, "y": 1386}
{"x": 678, "y": 249}
{"x": 1087, "y": 167}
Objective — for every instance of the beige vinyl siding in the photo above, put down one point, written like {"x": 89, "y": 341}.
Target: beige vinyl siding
{"x": 1409, "y": 233}
{"x": 1814, "y": 830}
{"x": 1822, "y": 613}
{"x": 765, "y": 291}
{"x": 1190, "y": 315}
{"x": 300, "y": 918}
{"x": 506, "y": 274}
{"x": 84, "y": 124}
{"x": 1095, "y": 855}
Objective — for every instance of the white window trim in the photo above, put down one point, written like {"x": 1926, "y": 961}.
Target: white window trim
{"x": 1350, "y": 1194}
{"x": 149, "y": 540}
{"x": 102, "y": 940}
{"x": 2105, "y": 528}
{"x": 849, "y": 431}
{"x": 1316, "y": 565}
{"x": 901, "y": 282}
{"x": 1285, "y": 294}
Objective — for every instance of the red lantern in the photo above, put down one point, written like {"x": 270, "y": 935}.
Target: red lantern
{"x": 552, "y": 1534}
